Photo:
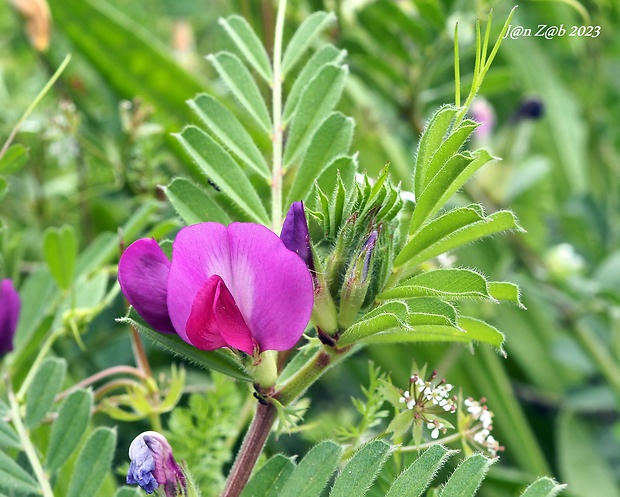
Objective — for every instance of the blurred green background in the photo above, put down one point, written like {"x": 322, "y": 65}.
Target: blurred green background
{"x": 99, "y": 145}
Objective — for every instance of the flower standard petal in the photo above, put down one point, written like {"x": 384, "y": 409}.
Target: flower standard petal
{"x": 198, "y": 252}
{"x": 215, "y": 320}
{"x": 10, "y": 305}
{"x": 143, "y": 277}
{"x": 271, "y": 286}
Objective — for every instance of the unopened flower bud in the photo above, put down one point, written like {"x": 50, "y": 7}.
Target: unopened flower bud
{"x": 153, "y": 465}
{"x": 10, "y": 305}
{"x": 356, "y": 284}
{"x": 295, "y": 234}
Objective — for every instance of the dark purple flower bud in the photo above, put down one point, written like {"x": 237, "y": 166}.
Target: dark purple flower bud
{"x": 530, "y": 108}
{"x": 153, "y": 465}
{"x": 369, "y": 248}
{"x": 295, "y": 234}
{"x": 10, "y": 305}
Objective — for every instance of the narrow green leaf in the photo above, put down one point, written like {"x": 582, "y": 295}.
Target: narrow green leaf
{"x": 543, "y": 487}
{"x": 505, "y": 291}
{"x": 448, "y": 148}
{"x": 362, "y": 470}
{"x": 243, "y": 87}
{"x": 431, "y": 140}
{"x": 270, "y": 478}
{"x": 193, "y": 204}
{"x": 431, "y": 306}
{"x": 480, "y": 331}
{"x": 220, "y": 167}
{"x": 8, "y": 437}
{"x": 331, "y": 140}
{"x": 15, "y": 478}
{"x": 416, "y": 478}
{"x": 325, "y": 55}
{"x": 581, "y": 462}
{"x": 4, "y": 186}
{"x": 226, "y": 127}
{"x": 449, "y": 284}
{"x": 455, "y": 228}
{"x": 102, "y": 36}
{"x": 46, "y": 384}
{"x": 60, "y": 252}
{"x": 248, "y": 43}
{"x": 452, "y": 176}
{"x": 467, "y": 477}
{"x": 13, "y": 159}
{"x": 303, "y": 37}
{"x": 93, "y": 463}
{"x": 222, "y": 360}
{"x": 313, "y": 472}
{"x": 68, "y": 428}
{"x": 318, "y": 99}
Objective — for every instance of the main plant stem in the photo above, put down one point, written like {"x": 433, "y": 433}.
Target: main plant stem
{"x": 277, "y": 166}
{"x": 251, "y": 449}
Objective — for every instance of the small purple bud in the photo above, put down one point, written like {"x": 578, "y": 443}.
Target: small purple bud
{"x": 529, "y": 108}
{"x": 369, "y": 248}
{"x": 10, "y": 305}
{"x": 295, "y": 234}
{"x": 153, "y": 465}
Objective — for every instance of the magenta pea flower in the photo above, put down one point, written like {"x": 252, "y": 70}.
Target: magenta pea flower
{"x": 236, "y": 286}
{"x": 10, "y": 305}
{"x": 153, "y": 465}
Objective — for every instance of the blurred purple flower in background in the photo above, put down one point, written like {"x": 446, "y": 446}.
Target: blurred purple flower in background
{"x": 482, "y": 111}
{"x": 153, "y": 465}
{"x": 10, "y": 305}
{"x": 237, "y": 286}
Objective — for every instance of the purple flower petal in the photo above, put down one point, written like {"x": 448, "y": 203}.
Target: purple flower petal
{"x": 143, "y": 276}
{"x": 295, "y": 234}
{"x": 10, "y": 305}
{"x": 215, "y": 320}
{"x": 271, "y": 286}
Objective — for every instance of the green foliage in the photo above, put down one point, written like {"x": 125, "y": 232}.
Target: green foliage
{"x": 45, "y": 385}
{"x": 203, "y": 433}
{"x": 92, "y": 462}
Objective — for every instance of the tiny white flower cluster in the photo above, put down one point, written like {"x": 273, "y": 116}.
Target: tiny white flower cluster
{"x": 480, "y": 412}
{"x": 436, "y": 427}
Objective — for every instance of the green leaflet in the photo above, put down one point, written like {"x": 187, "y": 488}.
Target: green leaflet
{"x": 313, "y": 472}
{"x": 319, "y": 98}
{"x": 222, "y": 360}
{"x": 13, "y": 159}
{"x": 362, "y": 470}
{"x": 46, "y": 384}
{"x": 429, "y": 143}
{"x": 219, "y": 166}
{"x": 14, "y": 478}
{"x": 194, "y": 205}
{"x": 270, "y": 478}
{"x": 242, "y": 85}
{"x": 453, "y": 175}
{"x": 325, "y": 55}
{"x": 60, "y": 252}
{"x": 451, "y": 230}
{"x": 303, "y": 37}
{"x": 93, "y": 463}
{"x": 416, "y": 478}
{"x": 467, "y": 477}
{"x": 449, "y": 284}
{"x": 225, "y": 126}
{"x": 248, "y": 43}
{"x": 543, "y": 487}
{"x": 331, "y": 140}
{"x": 505, "y": 291}
{"x": 69, "y": 427}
